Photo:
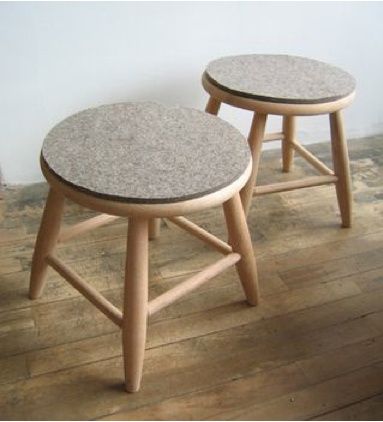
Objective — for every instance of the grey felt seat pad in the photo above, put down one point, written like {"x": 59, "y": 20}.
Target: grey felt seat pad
{"x": 280, "y": 78}
{"x": 146, "y": 152}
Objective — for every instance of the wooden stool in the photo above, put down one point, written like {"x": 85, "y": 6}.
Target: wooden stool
{"x": 142, "y": 161}
{"x": 288, "y": 86}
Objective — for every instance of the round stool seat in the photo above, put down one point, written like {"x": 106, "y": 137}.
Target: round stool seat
{"x": 145, "y": 153}
{"x": 280, "y": 79}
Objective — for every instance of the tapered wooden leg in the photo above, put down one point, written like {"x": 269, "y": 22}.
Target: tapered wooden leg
{"x": 45, "y": 241}
{"x": 213, "y": 106}
{"x": 135, "y": 302}
{"x": 289, "y": 130}
{"x": 341, "y": 167}
{"x": 154, "y": 228}
{"x": 255, "y": 139}
{"x": 240, "y": 241}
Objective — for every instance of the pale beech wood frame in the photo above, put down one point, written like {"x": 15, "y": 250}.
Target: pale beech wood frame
{"x": 46, "y": 241}
{"x": 274, "y": 136}
{"x": 255, "y": 139}
{"x": 135, "y": 311}
{"x": 154, "y": 228}
{"x": 340, "y": 176}
{"x": 202, "y": 234}
{"x": 240, "y": 241}
{"x": 85, "y": 226}
{"x": 310, "y": 158}
{"x": 85, "y": 289}
{"x": 136, "y": 307}
{"x": 341, "y": 167}
{"x": 289, "y": 131}
{"x": 192, "y": 283}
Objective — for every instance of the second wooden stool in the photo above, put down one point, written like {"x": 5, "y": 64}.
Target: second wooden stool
{"x": 289, "y": 86}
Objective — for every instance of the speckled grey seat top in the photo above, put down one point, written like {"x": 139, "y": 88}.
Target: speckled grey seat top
{"x": 280, "y": 78}
{"x": 146, "y": 152}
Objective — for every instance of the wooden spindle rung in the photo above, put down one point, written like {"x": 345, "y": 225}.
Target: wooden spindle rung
{"x": 84, "y": 226}
{"x": 89, "y": 292}
{"x": 294, "y": 184}
{"x": 311, "y": 159}
{"x": 201, "y": 234}
{"x": 274, "y": 136}
{"x": 192, "y": 283}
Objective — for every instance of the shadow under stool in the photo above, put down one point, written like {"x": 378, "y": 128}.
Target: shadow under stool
{"x": 288, "y": 86}
{"x": 142, "y": 161}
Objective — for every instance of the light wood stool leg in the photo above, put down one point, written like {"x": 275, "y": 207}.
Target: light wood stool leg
{"x": 289, "y": 129}
{"x": 240, "y": 241}
{"x": 256, "y": 136}
{"x": 213, "y": 106}
{"x": 135, "y": 302}
{"x": 45, "y": 241}
{"x": 341, "y": 167}
{"x": 154, "y": 228}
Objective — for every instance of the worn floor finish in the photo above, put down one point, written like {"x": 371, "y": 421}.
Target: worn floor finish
{"x": 313, "y": 349}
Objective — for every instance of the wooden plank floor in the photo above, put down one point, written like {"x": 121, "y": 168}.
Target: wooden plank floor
{"x": 313, "y": 348}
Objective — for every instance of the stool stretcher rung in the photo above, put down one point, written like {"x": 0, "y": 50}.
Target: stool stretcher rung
{"x": 310, "y": 158}
{"x": 294, "y": 184}
{"x": 275, "y": 136}
{"x": 201, "y": 234}
{"x": 85, "y": 226}
{"x": 192, "y": 283}
{"x": 86, "y": 290}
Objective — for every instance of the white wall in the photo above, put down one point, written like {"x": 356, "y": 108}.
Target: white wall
{"x": 58, "y": 58}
